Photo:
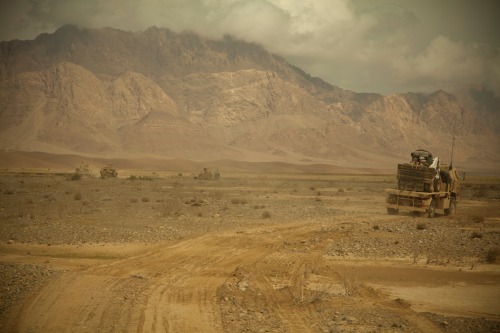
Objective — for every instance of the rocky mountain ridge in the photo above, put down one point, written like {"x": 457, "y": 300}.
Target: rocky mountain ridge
{"x": 157, "y": 93}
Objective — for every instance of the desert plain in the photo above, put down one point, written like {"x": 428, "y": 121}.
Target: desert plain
{"x": 154, "y": 251}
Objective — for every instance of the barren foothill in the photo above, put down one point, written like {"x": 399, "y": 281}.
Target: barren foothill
{"x": 164, "y": 252}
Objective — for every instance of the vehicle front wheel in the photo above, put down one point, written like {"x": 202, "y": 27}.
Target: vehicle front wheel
{"x": 432, "y": 209}
{"x": 453, "y": 207}
{"x": 392, "y": 211}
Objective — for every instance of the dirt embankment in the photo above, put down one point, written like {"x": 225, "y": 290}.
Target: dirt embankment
{"x": 247, "y": 253}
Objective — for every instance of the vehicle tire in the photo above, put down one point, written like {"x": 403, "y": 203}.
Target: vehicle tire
{"x": 392, "y": 211}
{"x": 453, "y": 207}
{"x": 432, "y": 209}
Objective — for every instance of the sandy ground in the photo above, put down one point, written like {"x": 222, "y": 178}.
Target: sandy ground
{"x": 247, "y": 253}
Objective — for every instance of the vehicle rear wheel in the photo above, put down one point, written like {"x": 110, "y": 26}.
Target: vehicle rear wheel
{"x": 453, "y": 207}
{"x": 432, "y": 209}
{"x": 392, "y": 211}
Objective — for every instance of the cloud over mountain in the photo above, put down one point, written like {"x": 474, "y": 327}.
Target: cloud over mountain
{"x": 365, "y": 46}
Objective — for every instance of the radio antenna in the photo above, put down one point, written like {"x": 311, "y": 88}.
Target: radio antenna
{"x": 452, "y": 146}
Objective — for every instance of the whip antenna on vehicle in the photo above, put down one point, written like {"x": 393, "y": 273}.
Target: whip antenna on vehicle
{"x": 452, "y": 146}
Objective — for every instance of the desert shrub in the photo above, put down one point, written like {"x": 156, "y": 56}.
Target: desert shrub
{"x": 477, "y": 218}
{"x": 421, "y": 226}
{"x": 75, "y": 176}
{"x": 312, "y": 188}
{"x": 145, "y": 199}
{"x": 492, "y": 254}
{"x": 77, "y": 196}
{"x": 196, "y": 204}
{"x": 318, "y": 199}
{"x": 134, "y": 200}
{"x": 235, "y": 201}
{"x": 318, "y": 194}
{"x": 266, "y": 215}
{"x": 340, "y": 190}
{"x": 376, "y": 227}
{"x": 8, "y": 192}
{"x": 476, "y": 234}
{"x": 132, "y": 177}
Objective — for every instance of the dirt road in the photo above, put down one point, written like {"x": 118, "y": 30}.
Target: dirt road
{"x": 246, "y": 255}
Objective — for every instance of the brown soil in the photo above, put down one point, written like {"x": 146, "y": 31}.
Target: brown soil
{"x": 247, "y": 253}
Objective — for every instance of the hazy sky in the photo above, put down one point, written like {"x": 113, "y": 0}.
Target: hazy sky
{"x": 380, "y": 46}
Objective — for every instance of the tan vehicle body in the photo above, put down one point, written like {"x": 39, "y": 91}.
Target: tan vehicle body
{"x": 424, "y": 190}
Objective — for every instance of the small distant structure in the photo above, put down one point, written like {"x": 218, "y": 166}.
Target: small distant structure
{"x": 108, "y": 172}
{"x": 84, "y": 169}
{"x": 207, "y": 174}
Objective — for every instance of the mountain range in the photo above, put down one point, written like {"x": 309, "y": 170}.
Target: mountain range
{"x": 167, "y": 95}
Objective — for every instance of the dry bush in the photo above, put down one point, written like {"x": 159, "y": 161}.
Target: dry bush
{"x": 266, "y": 215}
{"x": 476, "y": 234}
{"x": 421, "y": 226}
{"x": 77, "y": 196}
{"x": 145, "y": 199}
{"x": 351, "y": 286}
{"x": 237, "y": 201}
{"x": 75, "y": 176}
{"x": 471, "y": 218}
{"x": 492, "y": 254}
{"x": 340, "y": 190}
{"x": 299, "y": 290}
{"x": 134, "y": 200}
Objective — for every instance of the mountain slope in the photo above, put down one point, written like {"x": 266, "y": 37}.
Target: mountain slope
{"x": 161, "y": 94}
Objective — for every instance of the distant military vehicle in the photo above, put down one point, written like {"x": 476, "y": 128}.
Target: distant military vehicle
{"x": 108, "y": 172}
{"x": 206, "y": 174}
{"x": 425, "y": 186}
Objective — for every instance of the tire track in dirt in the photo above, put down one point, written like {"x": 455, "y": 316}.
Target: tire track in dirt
{"x": 273, "y": 277}
{"x": 173, "y": 289}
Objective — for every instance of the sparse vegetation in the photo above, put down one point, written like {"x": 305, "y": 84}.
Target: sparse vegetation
{"x": 492, "y": 254}
{"x": 297, "y": 249}
{"x": 75, "y": 176}
{"x": 476, "y": 234}
{"x": 77, "y": 196}
{"x": 421, "y": 226}
{"x": 237, "y": 201}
